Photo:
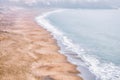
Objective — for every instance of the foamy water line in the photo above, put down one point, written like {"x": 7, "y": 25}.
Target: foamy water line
{"x": 76, "y": 54}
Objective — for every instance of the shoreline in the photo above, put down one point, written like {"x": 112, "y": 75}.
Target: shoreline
{"x": 71, "y": 56}
{"x": 96, "y": 75}
{"x": 34, "y": 59}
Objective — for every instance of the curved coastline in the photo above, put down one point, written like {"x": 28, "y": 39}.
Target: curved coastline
{"x": 84, "y": 72}
{"x": 43, "y": 15}
{"x": 91, "y": 61}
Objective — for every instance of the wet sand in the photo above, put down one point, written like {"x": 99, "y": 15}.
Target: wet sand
{"x": 29, "y": 52}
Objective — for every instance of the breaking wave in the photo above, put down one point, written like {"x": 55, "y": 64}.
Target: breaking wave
{"x": 103, "y": 71}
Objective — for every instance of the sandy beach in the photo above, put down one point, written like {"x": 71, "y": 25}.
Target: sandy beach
{"x": 29, "y": 52}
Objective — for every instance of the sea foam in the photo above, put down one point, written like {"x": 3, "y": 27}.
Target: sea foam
{"x": 103, "y": 71}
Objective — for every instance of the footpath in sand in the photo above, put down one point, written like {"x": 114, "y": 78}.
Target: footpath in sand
{"x": 28, "y": 52}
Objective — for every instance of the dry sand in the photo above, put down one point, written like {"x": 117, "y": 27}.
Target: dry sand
{"x": 28, "y": 52}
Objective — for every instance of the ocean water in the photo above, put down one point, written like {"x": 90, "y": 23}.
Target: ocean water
{"x": 89, "y": 38}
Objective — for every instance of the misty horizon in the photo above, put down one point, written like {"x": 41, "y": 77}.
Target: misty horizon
{"x": 94, "y": 4}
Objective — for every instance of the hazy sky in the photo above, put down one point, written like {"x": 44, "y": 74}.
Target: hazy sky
{"x": 48, "y": 2}
{"x": 68, "y": 0}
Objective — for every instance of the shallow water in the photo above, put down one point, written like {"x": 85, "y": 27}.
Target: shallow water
{"x": 92, "y": 37}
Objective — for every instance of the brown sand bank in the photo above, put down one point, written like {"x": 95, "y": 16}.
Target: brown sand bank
{"x": 28, "y": 52}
